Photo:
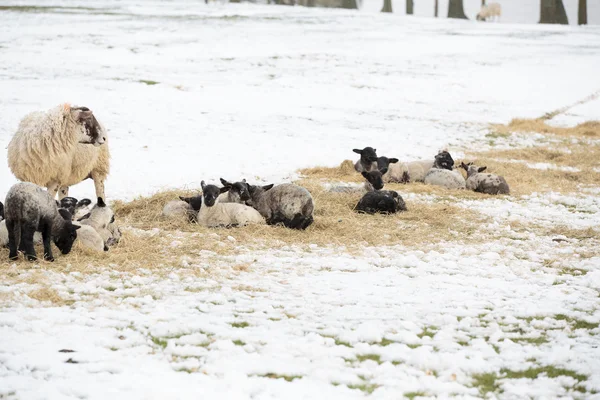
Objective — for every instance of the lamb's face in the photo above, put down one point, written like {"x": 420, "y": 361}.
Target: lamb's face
{"x": 195, "y": 202}
{"x": 69, "y": 204}
{"x": 91, "y": 132}
{"x": 367, "y": 155}
{"x": 443, "y": 160}
{"x": 384, "y": 162}
{"x": 210, "y": 194}
{"x": 375, "y": 178}
{"x": 67, "y": 234}
{"x": 472, "y": 169}
{"x": 241, "y": 191}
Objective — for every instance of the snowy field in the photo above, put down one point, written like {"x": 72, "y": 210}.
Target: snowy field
{"x": 191, "y": 92}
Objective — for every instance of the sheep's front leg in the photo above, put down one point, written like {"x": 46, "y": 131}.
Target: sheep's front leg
{"x": 53, "y": 188}
{"x": 99, "y": 184}
{"x": 27, "y": 232}
{"x": 63, "y": 192}
{"x": 47, "y": 236}
{"x": 12, "y": 239}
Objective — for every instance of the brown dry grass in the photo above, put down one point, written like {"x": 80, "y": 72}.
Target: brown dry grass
{"x": 588, "y": 129}
{"x": 46, "y": 294}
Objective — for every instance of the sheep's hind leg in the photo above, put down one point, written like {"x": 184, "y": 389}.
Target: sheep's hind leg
{"x": 13, "y": 238}
{"x": 63, "y": 192}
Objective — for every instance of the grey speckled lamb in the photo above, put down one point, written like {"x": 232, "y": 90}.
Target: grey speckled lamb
{"x": 286, "y": 204}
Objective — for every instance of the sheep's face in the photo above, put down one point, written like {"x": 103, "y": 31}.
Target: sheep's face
{"x": 375, "y": 178}
{"x": 67, "y": 234}
{"x": 195, "y": 201}
{"x": 367, "y": 155}
{"x": 443, "y": 160}
{"x": 256, "y": 192}
{"x": 472, "y": 169}
{"x": 239, "y": 192}
{"x": 384, "y": 162}
{"x": 91, "y": 130}
{"x": 210, "y": 194}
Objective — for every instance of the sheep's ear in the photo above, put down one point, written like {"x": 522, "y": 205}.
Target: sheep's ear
{"x": 365, "y": 174}
{"x": 83, "y": 115}
{"x": 101, "y": 202}
{"x": 464, "y": 166}
{"x": 186, "y": 199}
{"x": 224, "y": 189}
{"x": 86, "y": 216}
{"x": 267, "y": 187}
{"x": 375, "y": 150}
{"x": 224, "y": 182}
{"x": 357, "y": 151}
{"x": 383, "y": 171}
{"x": 202, "y": 184}
{"x": 75, "y": 227}
{"x": 481, "y": 169}
{"x": 65, "y": 214}
{"x": 393, "y": 160}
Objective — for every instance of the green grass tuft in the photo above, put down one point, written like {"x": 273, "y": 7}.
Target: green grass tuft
{"x": 287, "y": 378}
{"x": 365, "y": 357}
{"x": 238, "y": 342}
{"x": 412, "y": 395}
{"x": 148, "y": 82}
{"x": 243, "y": 324}
{"x": 486, "y": 383}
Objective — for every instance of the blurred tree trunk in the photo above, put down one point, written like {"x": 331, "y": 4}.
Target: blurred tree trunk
{"x": 436, "y": 8}
{"x": 387, "y": 6}
{"x": 456, "y": 10}
{"x": 582, "y": 15}
{"x": 553, "y": 12}
{"x": 410, "y": 7}
{"x": 350, "y": 4}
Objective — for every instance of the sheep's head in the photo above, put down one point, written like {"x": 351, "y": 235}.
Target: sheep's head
{"x": 67, "y": 233}
{"x": 239, "y": 192}
{"x": 195, "y": 201}
{"x": 367, "y": 155}
{"x": 69, "y": 204}
{"x": 210, "y": 193}
{"x": 472, "y": 169}
{"x": 91, "y": 130}
{"x": 384, "y": 162}
{"x": 443, "y": 160}
{"x": 375, "y": 178}
{"x": 256, "y": 192}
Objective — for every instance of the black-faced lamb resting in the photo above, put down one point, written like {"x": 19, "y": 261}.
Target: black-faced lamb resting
{"x": 413, "y": 171}
{"x": 30, "y": 208}
{"x": 442, "y": 174}
{"x": 367, "y": 161}
{"x": 102, "y": 219}
{"x": 60, "y": 148}
{"x": 239, "y": 192}
{"x": 484, "y": 183}
{"x": 286, "y": 204}
{"x": 185, "y": 208}
{"x": 381, "y": 201}
{"x": 214, "y": 214}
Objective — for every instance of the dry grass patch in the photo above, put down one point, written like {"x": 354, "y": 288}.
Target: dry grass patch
{"x": 46, "y": 294}
{"x": 588, "y": 129}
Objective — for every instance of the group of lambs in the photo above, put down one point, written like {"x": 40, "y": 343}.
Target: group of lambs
{"x": 439, "y": 172}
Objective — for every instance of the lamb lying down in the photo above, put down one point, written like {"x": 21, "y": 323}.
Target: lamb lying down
{"x": 185, "y": 208}
{"x": 381, "y": 201}
{"x": 214, "y": 214}
{"x": 484, "y": 183}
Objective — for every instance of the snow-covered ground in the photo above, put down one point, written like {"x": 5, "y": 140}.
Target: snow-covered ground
{"x": 258, "y": 92}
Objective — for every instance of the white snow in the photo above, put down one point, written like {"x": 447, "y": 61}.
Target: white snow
{"x": 259, "y": 91}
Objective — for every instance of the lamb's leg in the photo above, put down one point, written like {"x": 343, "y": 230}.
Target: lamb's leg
{"x": 13, "y": 241}
{"x": 53, "y": 189}
{"x": 27, "y": 232}
{"x": 63, "y": 192}
{"x": 99, "y": 185}
{"x": 47, "y": 236}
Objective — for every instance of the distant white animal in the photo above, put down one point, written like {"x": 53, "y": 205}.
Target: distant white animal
{"x": 491, "y": 10}
{"x": 484, "y": 183}
{"x": 413, "y": 171}
{"x": 440, "y": 176}
{"x": 214, "y": 214}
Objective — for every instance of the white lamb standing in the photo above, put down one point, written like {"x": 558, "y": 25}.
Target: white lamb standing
{"x": 60, "y": 148}
{"x": 492, "y": 10}
{"x": 214, "y": 214}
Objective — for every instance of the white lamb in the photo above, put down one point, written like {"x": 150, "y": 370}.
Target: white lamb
{"x": 60, "y": 148}
{"x": 413, "y": 171}
{"x": 440, "y": 176}
{"x": 492, "y": 10}
{"x": 102, "y": 219}
{"x": 484, "y": 183}
{"x": 214, "y": 214}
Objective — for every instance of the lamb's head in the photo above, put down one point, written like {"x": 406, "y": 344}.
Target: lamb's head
{"x": 69, "y": 204}
{"x": 239, "y": 192}
{"x": 472, "y": 169}
{"x": 375, "y": 178}
{"x": 210, "y": 193}
{"x": 384, "y": 162}
{"x": 443, "y": 160}
{"x": 195, "y": 201}
{"x": 91, "y": 131}
{"x": 66, "y": 233}
{"x": 256, "y": 192}
{"x": 367, "y": 155}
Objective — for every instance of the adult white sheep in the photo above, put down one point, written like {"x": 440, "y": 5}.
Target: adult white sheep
{"x": 440, "y": 176}
{"x": 286, "y": 204}
{"x": 214, "y": 214}
{"x": 489, "y": 11}
{"x": 60, "y": 148}
{"x": 484, "y": 183}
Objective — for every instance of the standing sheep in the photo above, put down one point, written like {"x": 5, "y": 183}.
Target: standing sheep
{"x": 29, "y": 208}
{"x": 489, "y": 11}
{"x": 60, "y": 148}
{"x": 368, "y": 159}
{"x": 214, "y": 214}
{"x": 484, "y": 183}
{"x": 288, "y": 204}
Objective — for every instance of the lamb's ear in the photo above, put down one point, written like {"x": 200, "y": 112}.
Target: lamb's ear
{"x": 202, "y": 184}
{"x": 383, "y": 171}
{"x": 357, "y": 151}
{"x": 464, "y": 166}
{"x": 224, "y": 182}
{"x": 224, "y": 189}
{"x": 481, "y": 169}
{"x": 86, "y": 216}
{"x": 365, "y": 174}
{"x": 267, "y": 187}
{"x": 75, "y": 227}
{"x": 65, "y": 214}
{"x": 393, "y": 160}
{"x": 186, "y": 199}
{"x": 101, "y": 202}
